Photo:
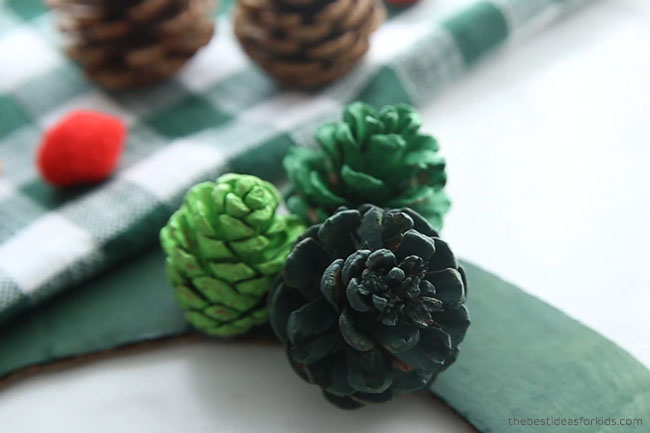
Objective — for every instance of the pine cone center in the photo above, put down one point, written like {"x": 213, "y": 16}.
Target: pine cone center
{"x": 397, "y": 292}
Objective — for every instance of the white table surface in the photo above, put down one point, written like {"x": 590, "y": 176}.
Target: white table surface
{"x": 548, "y": 149}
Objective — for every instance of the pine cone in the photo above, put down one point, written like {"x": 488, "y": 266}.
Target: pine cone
{"x": 379, "y": 158}
{"x": 224, "y": 246}
{"x": 307, "y": 43}
{"x": 129, "y": 43}
{"x": 370, "y": 306}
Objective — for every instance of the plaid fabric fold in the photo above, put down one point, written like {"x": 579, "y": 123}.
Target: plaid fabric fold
{"x": 221, "y": 113}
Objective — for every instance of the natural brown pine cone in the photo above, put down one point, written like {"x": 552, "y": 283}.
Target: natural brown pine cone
{"x": 307, "y": 43}
{"x": 130, "y": 43}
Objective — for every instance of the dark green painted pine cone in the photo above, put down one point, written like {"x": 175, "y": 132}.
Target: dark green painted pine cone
{"x": 371, "y": 305}
{"x": 371, "y": 157}
{"x": 224, "y": 247}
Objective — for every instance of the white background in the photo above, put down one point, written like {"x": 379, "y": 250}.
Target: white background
{"x": 548, "y": 149}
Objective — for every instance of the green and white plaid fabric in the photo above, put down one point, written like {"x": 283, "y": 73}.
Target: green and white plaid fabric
{"x": 221, "y": 113}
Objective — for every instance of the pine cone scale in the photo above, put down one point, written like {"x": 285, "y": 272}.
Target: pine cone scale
{"x": 184, "y": 47}
{"x": 108, "y": 31}
{"x": 333, "y": 11}
{"x": 359, "y": 13}
{"x": 331, "y": 47}
{"x": 148, "y": 9}
{"x": 187, "y": 18}
{"x": 144, "y": 56}
{"x": 300, "y": 3}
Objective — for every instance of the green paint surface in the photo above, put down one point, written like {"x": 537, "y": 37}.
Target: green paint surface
{"x": 130, "y": 304}
{"x": 523, "y": 358}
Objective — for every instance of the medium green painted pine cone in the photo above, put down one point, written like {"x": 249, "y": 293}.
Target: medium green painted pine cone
{"x": 371, "y": 305}
{"x": 371, "y": 157}
{"x": 224, "y": 247}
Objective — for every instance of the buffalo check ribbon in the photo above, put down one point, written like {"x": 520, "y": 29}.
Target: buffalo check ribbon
{"x": 221, "y": 113}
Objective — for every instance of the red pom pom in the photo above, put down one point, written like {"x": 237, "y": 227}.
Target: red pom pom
{"x": 83, "y": 148}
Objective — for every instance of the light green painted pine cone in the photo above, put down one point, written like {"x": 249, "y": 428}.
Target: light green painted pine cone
{"x": 224, "y": 247}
